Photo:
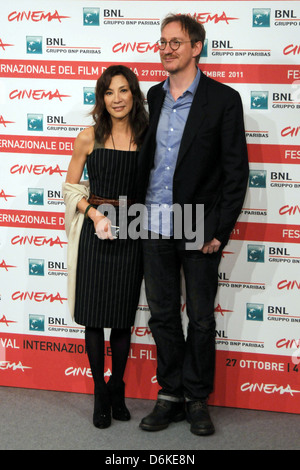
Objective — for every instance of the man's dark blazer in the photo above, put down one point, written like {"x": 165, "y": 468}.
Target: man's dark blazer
{"x": 212, "y": 163}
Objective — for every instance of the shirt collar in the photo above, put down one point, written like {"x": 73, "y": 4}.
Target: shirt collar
{"x": 191, "y": 89}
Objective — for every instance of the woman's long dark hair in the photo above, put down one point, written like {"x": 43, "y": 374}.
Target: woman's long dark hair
{"x": 138, "y": 117}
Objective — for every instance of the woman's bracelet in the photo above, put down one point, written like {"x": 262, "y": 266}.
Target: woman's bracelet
{"x": 86, "y": 210}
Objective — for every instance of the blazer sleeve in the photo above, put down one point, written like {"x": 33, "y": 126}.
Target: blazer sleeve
{"x": 235, "y": 167}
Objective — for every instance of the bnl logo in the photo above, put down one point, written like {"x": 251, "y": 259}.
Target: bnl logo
{"x": 34, "y": 44}
{"x": 261, "y": 17}
{"x": 88, "y": 95}
{"x": 259, "y": 99}
{"x": 256, "y": 253}
{"x": 36, "y": 322}
{"x": 255, "y": 312}
{"x": 35, "y": 122}
{"x": 204, "y": 49}
{"x": 36, "y": 196}
{"x": 91, "y": 16}
{"x": 36, "y": 267}
{"x": 257, "y": 178}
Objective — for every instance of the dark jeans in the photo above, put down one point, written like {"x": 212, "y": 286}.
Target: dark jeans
{"x": 185, "y": 366}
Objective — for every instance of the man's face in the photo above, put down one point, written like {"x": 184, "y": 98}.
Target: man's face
{"x": 184, "y": 57}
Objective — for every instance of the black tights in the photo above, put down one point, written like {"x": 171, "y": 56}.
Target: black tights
{"x": 120, "y": 345}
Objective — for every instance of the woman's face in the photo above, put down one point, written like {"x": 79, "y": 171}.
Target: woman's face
{"x": 118, "y": 98}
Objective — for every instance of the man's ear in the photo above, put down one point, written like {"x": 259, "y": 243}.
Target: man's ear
{"x": 197, "y": 48}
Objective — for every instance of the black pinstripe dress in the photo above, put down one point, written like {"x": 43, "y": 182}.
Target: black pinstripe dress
{"x": 109, "y": 272}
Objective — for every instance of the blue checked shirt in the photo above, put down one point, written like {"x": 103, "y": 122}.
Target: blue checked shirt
{"x": 159, "y": 198}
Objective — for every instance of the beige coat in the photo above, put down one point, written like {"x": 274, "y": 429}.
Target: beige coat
{"x": 72, "y": 194}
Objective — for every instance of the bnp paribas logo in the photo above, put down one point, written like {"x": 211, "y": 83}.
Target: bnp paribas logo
{"x": 36, "y": 196}
{"x": 34, "y": 44}
{"x": 256, "y": 253}
{"x": 255, "y": 312}
{"x": 35, "y": 122}
{"x": 36, "y": 267}
{"x": 88, "y": 95}
{"x": 261, "y": 17}
{"x": 259, "y": 99}
{"x": 257, "y": 178}
{"x": 91, "y": 16}
{"x": 36, "y": 322}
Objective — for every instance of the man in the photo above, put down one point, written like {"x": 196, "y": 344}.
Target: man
{"x": 194, "y": 154}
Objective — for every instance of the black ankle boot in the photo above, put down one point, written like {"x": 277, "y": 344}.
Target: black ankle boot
{"x": 117, "y": 400}
{"x": 102, "y": 409}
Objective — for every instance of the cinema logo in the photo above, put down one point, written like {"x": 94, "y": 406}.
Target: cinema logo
{"x": 36, "y": 267}
{"x": 4, "y": 196}
{"x": 37, "y": 95}
{"x": 290, "y": 210}
{"x": 36, "y": 16}
{"x": 6, "y": 322}
{"x": 213, "y": 18}
{"x": 289, "y": 285}
{"x": 38, "y": 297}
{"x": 3, "y": 45}
{"x": 38, "y": 241}
{"x": 5, "y": 266}
{"x": 3, "y": 122}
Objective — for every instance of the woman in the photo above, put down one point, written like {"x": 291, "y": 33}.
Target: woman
{"x": 108, "y": 271}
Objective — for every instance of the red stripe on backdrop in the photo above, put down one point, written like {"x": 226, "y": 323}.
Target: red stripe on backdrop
{"x": 243, "y": 379}
{"x": 36, "y": 144}
{"x": 278, "y": 233}
{"x": 148, "y": 71}
{"x": 268, "y": 153}
{"x": 32, "y": 219}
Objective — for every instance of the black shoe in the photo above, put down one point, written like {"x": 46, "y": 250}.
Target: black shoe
{"x": 102, "y": 410}
{"x": 117, "y": 400}
{"x": 163, "y": 414}
{"x": 198, "y": 417}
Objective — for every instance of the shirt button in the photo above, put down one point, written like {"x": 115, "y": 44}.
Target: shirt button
{"x": 169, "y": 149}
{"x": 171, "y": 129}
{"x": 167, "y": 167}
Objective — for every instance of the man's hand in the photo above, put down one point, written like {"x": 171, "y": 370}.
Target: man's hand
{"x": 211, "y": 247}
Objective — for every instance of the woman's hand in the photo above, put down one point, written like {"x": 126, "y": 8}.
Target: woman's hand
{"x": 103, "y": 227}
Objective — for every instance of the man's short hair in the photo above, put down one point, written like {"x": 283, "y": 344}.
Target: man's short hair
{"x": 195, "y": 30}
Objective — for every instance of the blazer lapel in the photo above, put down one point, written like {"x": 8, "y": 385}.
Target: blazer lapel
{"x": 195, "y": 118}
{"x": 155, "y": 108}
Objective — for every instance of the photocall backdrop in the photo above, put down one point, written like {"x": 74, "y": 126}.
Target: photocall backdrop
{"x": 51, "y": 54}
